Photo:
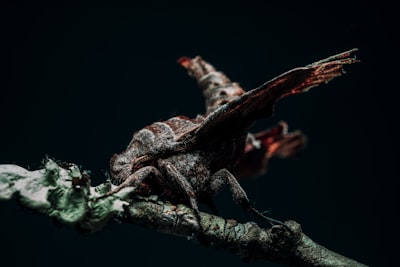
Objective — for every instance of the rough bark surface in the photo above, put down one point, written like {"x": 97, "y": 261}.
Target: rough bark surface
{"x": 65, "y": 194}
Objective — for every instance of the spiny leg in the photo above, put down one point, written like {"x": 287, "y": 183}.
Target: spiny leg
{"x": 136, "y": 179}
{"x": 239, "y": 195}
{"x": 183, "y": 183}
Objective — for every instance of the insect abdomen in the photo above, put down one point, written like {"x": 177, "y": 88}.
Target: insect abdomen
{"x": 217, "y": 88}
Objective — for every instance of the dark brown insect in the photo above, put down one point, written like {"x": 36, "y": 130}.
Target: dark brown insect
{"x": 186, "y": 160}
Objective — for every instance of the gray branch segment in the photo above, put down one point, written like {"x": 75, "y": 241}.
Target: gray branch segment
{"x": 65, "y": 194}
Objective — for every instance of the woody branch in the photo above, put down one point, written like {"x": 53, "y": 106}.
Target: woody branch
{"x": 65, "y": 194}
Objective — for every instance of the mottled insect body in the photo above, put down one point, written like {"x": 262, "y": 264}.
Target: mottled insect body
{"x": 217, "y": 88}
{"x": 196, "y": 166}
{"x": 159, "y": 136}
{"x": 186, "y": 160}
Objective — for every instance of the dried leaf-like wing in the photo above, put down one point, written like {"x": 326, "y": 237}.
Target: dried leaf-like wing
{"x": 262, "y": 146}
{"x": 237, "y": 116}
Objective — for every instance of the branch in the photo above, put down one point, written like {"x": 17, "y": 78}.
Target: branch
{"x": 64, "y": 193}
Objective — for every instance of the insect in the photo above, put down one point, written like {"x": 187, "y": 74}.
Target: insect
{"x": 189, "y": 160}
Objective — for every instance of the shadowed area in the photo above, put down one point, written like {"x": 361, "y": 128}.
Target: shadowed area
{"x": 77, "y": 79}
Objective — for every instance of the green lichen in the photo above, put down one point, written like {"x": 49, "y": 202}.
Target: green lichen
{"x": 62, "y": 194}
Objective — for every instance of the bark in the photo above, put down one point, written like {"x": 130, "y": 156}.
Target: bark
{"x": 65, "y": 194}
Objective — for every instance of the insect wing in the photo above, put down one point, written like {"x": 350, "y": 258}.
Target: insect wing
{"x": 237, "y": 116}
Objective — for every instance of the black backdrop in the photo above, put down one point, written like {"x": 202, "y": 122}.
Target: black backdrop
{"x": 77, "y": 79}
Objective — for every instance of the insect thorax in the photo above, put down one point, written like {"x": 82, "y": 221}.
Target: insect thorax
{"x": 161, "y": 136}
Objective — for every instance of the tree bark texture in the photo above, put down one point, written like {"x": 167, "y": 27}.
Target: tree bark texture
{"x": 65, "y": 194}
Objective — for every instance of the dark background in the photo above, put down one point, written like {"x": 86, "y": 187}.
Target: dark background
{"x": 77, "y": 80}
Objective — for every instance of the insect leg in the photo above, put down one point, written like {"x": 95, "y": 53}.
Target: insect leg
{"x": 136, "y": 179}
{"x": 182, "y": 182}
{"x": 239, "y": 195}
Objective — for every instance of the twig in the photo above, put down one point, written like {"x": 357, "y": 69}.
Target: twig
{"x": 65, "y": 194}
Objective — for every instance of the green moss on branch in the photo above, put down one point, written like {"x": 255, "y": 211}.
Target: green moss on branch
{"x": 65, "y": 194}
